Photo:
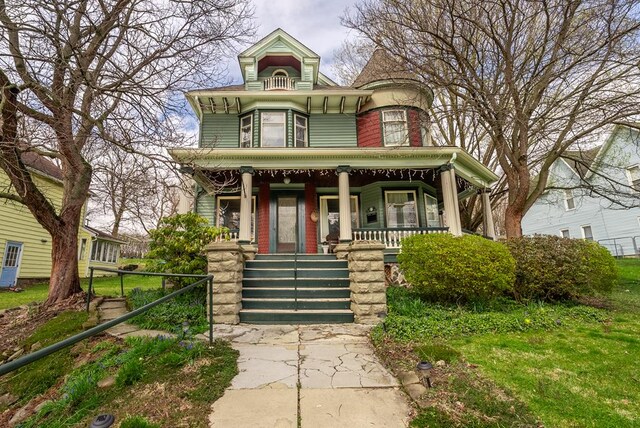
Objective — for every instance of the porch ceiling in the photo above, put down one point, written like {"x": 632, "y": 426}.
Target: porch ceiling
{"x": 466, "y": 165}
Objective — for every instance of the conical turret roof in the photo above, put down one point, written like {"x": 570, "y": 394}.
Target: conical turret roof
{"x": 382, "y": 66}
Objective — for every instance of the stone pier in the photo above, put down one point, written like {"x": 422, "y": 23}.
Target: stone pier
{"x": 367, "y": 281}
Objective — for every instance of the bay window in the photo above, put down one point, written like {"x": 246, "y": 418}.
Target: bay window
{"x": 394, "y": 128}
{"x": 274, "y": 129}
{"x": 400, "y": 208}
{"x": 301, "y": 131}
{"x": 246, "y": 131}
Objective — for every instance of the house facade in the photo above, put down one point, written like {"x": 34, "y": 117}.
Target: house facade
{"x": 289, "y": 159}
{"x": 25, "y": 246}
{"x": 573, "y": 211}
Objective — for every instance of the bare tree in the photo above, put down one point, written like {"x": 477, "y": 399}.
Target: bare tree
{"x": 350, "y": 58}
{"x": 89, "y": 69}
{"x": 538, "y": 76}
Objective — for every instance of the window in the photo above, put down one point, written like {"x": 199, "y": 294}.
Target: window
{"x": 569, "y": 202}
{"x": 400, "y": 208}
{"x": 106, "y": 252}
{"x": 565, "y": 233}
{"x": 394, "y": 128}
{"x": 246, "y": 131}
{"x": 431, "y": 210}
{"x": 301, "y": 131}
{"x": 229, "y": 213}
{"x": 280, "y": 72}
{"x": 633, "y": 174}
{"x": 587, "y": 233}
{"x": 425, "y": 133}
{"x": 274, "y": 129}
{"x": 83, "y": 248}
{"x": 330, "y": 216}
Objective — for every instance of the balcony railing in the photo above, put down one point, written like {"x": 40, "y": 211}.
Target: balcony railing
{"x": 392, "y": 238}
{"x": 279, "y": 83}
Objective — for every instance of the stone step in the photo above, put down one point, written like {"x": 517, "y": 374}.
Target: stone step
{"x": 292, "y": 303}
{"x": 271, "y": 316}
{"x": 302, "y": 293}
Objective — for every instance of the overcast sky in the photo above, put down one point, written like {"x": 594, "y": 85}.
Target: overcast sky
{"x": 315, "y": 23}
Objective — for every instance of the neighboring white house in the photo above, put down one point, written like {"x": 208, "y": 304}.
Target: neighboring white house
{"x": 581, "y": 213}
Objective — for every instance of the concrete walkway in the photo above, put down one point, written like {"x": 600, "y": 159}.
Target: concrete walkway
{"x": 308, "y": 376}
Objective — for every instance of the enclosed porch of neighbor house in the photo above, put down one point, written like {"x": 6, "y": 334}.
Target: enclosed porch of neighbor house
{"x": 303, "y": 200}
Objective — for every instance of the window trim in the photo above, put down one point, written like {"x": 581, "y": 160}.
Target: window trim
{"x": 582, "y": 227}
{"x": 630, "y": 177}
{"x": 284, "y": 129}
{"x": 250, "y": 117}
{"x": 295, "y": 128}
{"x": 415, "y": 200}
{"x": 562, "y": 233}
{"x": 324, "y": 213}
{"x": 406, "y": 142}
{"x": 280, "y": 70}
{"x": 253, "y": 212}
{"x": 566, "y": 200}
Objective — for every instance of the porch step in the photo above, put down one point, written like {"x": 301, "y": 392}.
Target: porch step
{"x": 296, "y": 289}
{"x": 271, "y": 316}
{"x": 289, "y": 303}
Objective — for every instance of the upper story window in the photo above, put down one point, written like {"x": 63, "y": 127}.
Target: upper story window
{"x": 394, "y": 128}
{"x": 301, "y": 133}
{"x": 274, "y": 129}
{"x": 280, "y": 72}
{"x": 633, "y": 173}
{"x": 569, "y": 202}
{"x": 246, "y": 131}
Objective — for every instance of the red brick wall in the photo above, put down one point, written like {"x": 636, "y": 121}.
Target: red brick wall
{"x": 369, "y": 133}
{"x": 263, "y": 219}
{"x": 311, "y": 231}
{"x": 415, "y": 139}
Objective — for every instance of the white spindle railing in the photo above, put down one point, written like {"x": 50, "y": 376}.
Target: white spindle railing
{"x": 279, "y": 82}
{"x": 392, "y": 238}
{"x": 230, "y": 235}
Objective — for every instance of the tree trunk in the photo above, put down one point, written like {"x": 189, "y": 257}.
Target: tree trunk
{"x": 65, "y": 281}
{"x": 513, "y": 221}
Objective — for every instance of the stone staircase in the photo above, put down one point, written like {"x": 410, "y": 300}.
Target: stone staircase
{"x": 271, "y": 294}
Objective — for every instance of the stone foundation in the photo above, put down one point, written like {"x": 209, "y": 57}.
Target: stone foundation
{"x": 225, "y": 262}
{"x": 367, "y": 281}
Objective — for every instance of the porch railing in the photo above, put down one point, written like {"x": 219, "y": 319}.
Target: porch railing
{"x": 392, "y": 238}
{"x": 279, "y": 82}
{"x": 229, "y": 235}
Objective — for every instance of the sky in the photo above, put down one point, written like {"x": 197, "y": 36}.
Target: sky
{"x": 315, "y": 23}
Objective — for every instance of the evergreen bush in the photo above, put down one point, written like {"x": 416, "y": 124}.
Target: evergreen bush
{"x": 551, "y": 268}
{"x": 442, "y": 267}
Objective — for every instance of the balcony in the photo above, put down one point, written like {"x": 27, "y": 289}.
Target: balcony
{"x": 279, "y": 83}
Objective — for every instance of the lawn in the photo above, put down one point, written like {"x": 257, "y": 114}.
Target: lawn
{"x": 567, "y": 366}
{"x": 103, "y": 286}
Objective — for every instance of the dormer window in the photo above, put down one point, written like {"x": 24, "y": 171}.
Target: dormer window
{"x": 279, "y": 80}
{"x": 394, "y": 128}
{"x": 280, "y": 72}
{"x": 274, "y": 129}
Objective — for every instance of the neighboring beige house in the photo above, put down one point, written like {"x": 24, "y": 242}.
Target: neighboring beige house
{"x": 97, "y": 249}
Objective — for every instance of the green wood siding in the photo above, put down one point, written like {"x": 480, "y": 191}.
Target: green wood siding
{"x": 371, "y": 196}
{"x": 206, "y": 207}
{"x": 220, "y": 130}
{"x": 332, "y": 130}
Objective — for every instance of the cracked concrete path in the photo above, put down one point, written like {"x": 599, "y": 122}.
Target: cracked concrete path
{"x": 308, "y": 376}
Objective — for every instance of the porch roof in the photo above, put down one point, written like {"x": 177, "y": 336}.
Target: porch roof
{"x": 466, "y": 166}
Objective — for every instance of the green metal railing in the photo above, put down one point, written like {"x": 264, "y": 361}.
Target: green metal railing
{"x": 41, "y": 353}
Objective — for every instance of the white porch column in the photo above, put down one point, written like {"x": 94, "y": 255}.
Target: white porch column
{"x": 487, "y": 215}
{"x": 244, "y": 234}
{"x": 344, "y": 201}
{"x": 450, "y": 199}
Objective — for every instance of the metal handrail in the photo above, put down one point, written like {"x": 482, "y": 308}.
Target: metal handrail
{"x": 41, "y": 353}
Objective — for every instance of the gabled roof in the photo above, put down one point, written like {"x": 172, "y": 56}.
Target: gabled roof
{"x": 41, "y": 164}
{"x": 580, "y": 161}
{"x": 382, "y": 66}
{"x": 102, "y": 235}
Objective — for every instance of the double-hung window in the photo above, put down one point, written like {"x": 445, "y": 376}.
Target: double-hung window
{"x": 565, "y": 233}
{"x": 274, "y": 129}
{"x": 587, "y": 233}
{"x": 401, "y": 209}
{"x": 301, "y": 133}
{"x": 633, "y": 174}
{"x": 431, "y": 211}
{"x": 569, "y": 202}
{"x": 394, "y": 128}
{"x": 229, "y": 213}
{"x": 246, "y": 131}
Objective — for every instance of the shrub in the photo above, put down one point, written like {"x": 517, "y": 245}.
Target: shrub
{"x": 177, "y": 245}
{"x": 443, "y": 267}
{"x": 552, "y": 268}
{"x": 137, "y": 422}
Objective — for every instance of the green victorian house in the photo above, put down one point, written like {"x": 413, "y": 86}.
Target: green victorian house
{"x": 293, "y": 163}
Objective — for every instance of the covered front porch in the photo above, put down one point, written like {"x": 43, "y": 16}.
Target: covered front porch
{"x": 310, "y": 200}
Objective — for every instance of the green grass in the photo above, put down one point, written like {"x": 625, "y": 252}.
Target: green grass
{"x": 579, "y": 372}
{"x": 103, "y": 286}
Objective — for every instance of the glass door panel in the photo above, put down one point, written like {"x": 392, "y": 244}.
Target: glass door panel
{"x": 287, "y": 213}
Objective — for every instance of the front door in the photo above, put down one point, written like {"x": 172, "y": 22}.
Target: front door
{"x": 287, "y": 223}
{"x": 10, "y": 264}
